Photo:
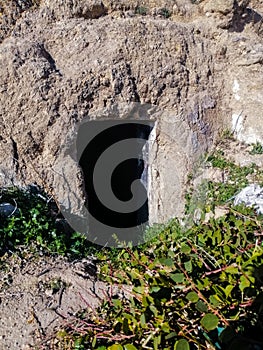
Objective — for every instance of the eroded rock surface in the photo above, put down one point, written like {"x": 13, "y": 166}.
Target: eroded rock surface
{"x": 200, "y": 63}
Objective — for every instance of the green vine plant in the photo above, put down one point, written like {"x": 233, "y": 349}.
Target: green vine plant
{"x": 190, "y": 290}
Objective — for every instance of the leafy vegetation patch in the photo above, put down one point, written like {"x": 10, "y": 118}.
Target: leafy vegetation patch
{"x": 211, "y": 194}
{"x": 35, "y": 222}
{"x": 165, "y": 12}
{"x": 191, "y": 289}
{"x": 257, "y": 149}
{"x": 141, "y": 10}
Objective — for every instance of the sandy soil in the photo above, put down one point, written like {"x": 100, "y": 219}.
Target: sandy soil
{"x": 38, "y": 294}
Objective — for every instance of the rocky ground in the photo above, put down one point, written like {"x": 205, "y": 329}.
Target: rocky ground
{"x": 41, "y": 294}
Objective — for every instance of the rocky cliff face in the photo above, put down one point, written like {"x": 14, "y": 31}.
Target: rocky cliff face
{"x": 199, "y": 62}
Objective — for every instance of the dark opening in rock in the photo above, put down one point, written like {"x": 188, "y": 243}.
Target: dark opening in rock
{"x": 113, "y": 155}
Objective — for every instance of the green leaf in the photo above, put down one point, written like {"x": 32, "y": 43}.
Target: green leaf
{"x": 165, "y": 327}
{"x": 144, "y": 259}
{"x": 202, "y": 284}
{"x": 231, "y": 269}
{"x": 94, "y": 342}
{"x": 201, "y": 306}
{"x": 135, "y": 276}
{"x": 192, "y": 296}
{"x": 136, "y": 255}
{"x": 185, "y": 248}
{"x": 115, "y": 347}
{"x": 228, "y": 290}
{"x": 153, "y": 310}
{"x": 209, "y": 322}
{"x": 143, "y": 320}
{"x": 170, "y": 335}
{"x": 188, "y": 266}
{"x": 182, "y": 344}
{"x": 116, "y": 303}
{"x": 139, "y": 289}
{"x": 145, "y": 301}
{"x": 129, "y": 347}
{"x": 125, "y": 326}
{"x": 168, "y": 262}
{"x": 171, "y": 254}
{"x": 215, "y": 300}
{"x": 244, "y": 283}
{"x": 177, "y": 277}
{"x": 155, "y": 289}
{"x": 156, "y": 342}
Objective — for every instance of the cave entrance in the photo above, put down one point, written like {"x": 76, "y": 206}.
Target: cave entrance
{"x": 114, "y": 158}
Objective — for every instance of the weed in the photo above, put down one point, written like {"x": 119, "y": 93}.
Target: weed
{"x": 35, "y": 224}
{"x": 210, "y": 194}
{"x": 141, "y": 10}
{"x": 257, "y": 149}
{"x": 165, "y": 12}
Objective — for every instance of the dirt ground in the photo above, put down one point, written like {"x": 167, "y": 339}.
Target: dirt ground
{"x": 39, "y": 294}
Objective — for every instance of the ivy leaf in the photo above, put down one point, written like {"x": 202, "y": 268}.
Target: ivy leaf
{"x": 232, "y": 269}
{"x": 188, "y": 266}
{"x": 170, "y": 335}
{"x": 201, "y": 306}
{"x": 209, "y": 322}
{"x": 143, "y": 320}
{"x": 168, "y": 262}
{"x": 193, "y": 297}
{"x": 129, "y": 347}
{"x": 215, "y": 300}
{"x": 177, "y": 277}
{"x": 181, "y": 344}
{"x": 228, "y": 290}
{"x": 185, "y": 248}
{"x": 115, "y": 347}
{"x": 244, "y": 283}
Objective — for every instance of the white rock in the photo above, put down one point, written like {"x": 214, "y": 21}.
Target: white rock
{"x": 251, "y": 195}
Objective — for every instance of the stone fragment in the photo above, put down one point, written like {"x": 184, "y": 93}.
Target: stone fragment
{"x": 7, "y": 210}
{"x": 221, "y": 6}
{"x": 251, "y": 195}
